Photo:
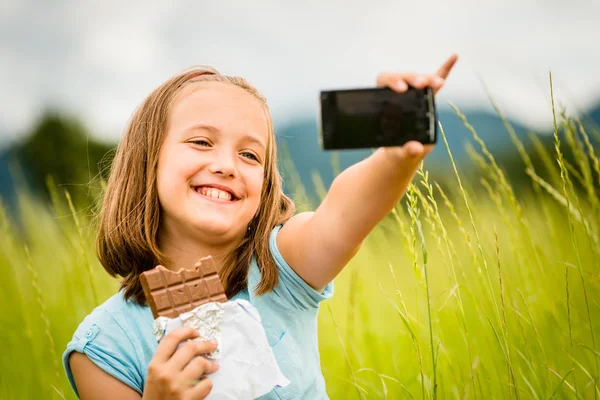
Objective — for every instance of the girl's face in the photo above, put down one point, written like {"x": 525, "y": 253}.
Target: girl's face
{"x": 211, "y": 164}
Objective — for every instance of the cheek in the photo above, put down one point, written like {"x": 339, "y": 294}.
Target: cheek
{"x": 171, "y": 178}
{"x": 257, "y": 182}
{"x": 177, "y": 169}
{"x": 164, "y": 188}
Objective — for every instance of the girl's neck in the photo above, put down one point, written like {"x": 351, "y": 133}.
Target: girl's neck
{"x": 184, "y": 250}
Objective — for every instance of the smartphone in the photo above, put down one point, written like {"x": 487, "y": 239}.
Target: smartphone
{"x": 376, "y": 117}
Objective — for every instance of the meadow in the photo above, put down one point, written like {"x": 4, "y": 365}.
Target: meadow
{"x": 469, "y": 289}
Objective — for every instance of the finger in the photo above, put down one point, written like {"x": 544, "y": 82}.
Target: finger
{"x": 198, "y": 367}
{"x": 386, "y": 78}
{"x": 394, "y": 81}
{"x": 187, "y": 352}
{"x": 400, "y": 82}
{"x": 445, "y": 69}
{"x": 437, "y": 83}
{"x": 419, "y": 81}
{"x": 201, "y": 390}
{"x": 414, "y": 149}
{"x": 410, "y": 152}
{"x": 169, "y": 343}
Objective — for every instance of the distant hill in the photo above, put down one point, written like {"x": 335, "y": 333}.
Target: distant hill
{"x": 7, "y": 192}
{"x": 301, "y": 138}
{"x": 594, "y": 115}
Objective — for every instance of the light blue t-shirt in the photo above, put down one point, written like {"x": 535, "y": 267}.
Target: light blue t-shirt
{"x": 117, "y": 336}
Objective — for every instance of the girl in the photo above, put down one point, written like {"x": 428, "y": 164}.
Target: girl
{"x": 195, "y": 175}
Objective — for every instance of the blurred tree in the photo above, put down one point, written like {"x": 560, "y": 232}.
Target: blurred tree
{"x": 59, "y": 146}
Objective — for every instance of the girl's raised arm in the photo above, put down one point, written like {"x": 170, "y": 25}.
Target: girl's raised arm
{"x": 318, "y": 245}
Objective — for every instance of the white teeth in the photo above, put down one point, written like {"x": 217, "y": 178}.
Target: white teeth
{"x": 215, "y": 193}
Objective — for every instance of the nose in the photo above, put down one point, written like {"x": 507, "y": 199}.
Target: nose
{"x": 223, "y": 164}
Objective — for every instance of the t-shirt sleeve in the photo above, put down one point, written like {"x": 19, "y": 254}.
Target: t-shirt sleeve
{"x": 106, "y": 344}
{"x": 292, "y": 288}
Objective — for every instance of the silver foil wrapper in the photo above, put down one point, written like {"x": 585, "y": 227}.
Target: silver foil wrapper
{"x": 160, "y": 328}
{"x": 206, "y": 319}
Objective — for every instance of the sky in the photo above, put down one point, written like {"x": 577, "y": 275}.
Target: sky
{"x": 98, "y": 60}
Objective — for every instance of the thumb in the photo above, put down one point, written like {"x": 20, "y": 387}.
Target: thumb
{"x": 414, "y": 150}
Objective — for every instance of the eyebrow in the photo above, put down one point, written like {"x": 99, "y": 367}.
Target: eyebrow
{"x": 210, "y": 128}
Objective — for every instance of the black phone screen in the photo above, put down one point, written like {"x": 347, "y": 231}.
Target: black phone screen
{"x": 365, "y": 118}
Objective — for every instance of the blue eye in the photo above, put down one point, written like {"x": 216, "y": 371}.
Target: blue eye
{"x": 250, "y": 156}
{"x": 200, "y": 142}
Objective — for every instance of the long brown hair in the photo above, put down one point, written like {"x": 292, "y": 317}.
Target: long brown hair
{"x": 129, "y": 219}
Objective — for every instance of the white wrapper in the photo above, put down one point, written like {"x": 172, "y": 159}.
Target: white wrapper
{"x": 248, "y": 368}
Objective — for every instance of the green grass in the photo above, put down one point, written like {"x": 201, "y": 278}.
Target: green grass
{"x": 475, "y": 292}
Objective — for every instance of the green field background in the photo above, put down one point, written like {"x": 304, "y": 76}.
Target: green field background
{"x": 471, "y": 289}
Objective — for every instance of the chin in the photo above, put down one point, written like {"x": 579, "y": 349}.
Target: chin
{"x": 218, "y": 227}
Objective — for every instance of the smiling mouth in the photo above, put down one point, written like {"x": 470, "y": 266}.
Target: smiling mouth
{"x": 215, "y": 193}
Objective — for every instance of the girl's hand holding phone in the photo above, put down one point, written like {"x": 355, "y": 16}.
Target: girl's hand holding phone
{"x": 414, "y": 151}
{"x": 174, "y": 370}
{"x": 319, "y": 245}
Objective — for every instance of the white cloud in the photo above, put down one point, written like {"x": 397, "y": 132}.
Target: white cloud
{"x": 100, "y": 59}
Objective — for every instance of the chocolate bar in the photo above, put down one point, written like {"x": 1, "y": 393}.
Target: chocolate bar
{"x": 171, "y": 293}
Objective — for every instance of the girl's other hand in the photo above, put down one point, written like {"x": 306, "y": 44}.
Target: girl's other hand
{"x": 174, "y": 370}
{"x": 399, "y": 81}
{"x": 414, "y": 151}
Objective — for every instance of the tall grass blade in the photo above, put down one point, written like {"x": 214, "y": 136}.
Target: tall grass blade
{"x": 566, "y": 185}
{"x": 352, "y": 374}
{"x": 563, "y": 380}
